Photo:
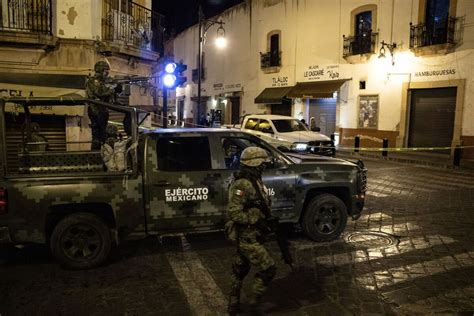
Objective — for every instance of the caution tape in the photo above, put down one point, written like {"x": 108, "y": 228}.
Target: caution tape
{"x": 401, "y": 149}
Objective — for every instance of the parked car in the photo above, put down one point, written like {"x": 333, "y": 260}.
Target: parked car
{"x": 287, "y": 134}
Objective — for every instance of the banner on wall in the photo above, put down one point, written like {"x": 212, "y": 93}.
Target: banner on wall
{"x": 15, "y": 90}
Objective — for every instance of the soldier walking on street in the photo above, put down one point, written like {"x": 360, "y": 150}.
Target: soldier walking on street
{"x": 247, "y": 200}
{"x": 98, "y": 89}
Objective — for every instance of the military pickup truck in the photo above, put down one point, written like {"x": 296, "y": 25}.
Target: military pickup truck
{"x": 176, "y": 180}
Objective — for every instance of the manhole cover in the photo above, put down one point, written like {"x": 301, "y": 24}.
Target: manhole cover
{"x": 371, "y": 239}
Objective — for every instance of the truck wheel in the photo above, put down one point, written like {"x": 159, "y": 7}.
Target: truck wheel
{"x": 325, "y": 218}
{"x": 81, "y": 241}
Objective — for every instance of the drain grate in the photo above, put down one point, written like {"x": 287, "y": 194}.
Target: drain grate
{"x": 371, "y": 239}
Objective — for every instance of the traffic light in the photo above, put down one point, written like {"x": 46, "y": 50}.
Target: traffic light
{"x": 180, "y": 79}
{"x": 173, "y": 75}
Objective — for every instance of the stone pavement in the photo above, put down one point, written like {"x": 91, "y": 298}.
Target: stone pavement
{"x": 412, "y": 252}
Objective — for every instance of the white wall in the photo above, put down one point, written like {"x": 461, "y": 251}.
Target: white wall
{"x": 311, "y": 36}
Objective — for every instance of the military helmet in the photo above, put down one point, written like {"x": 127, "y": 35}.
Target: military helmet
{"x": 111, "y": 130}
{"x": 253, "y": 156}
{"x": 101, "y": 65}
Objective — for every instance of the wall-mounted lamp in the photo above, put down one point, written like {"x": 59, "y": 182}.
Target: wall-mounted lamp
{"x": 391, "y": 48}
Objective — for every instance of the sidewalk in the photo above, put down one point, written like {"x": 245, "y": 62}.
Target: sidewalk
{"x": 416, "y": 158}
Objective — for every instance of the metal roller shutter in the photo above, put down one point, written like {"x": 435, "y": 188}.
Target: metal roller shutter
{"x": 432, "y": 117}
{"x": 324, "y": 112}
{"x": 53, "y": 128}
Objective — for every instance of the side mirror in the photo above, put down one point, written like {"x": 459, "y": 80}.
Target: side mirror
{"x": 315, "y": 129}
{"x": 267, "y": 130}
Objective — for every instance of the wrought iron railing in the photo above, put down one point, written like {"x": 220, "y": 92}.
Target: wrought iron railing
{"x": 359, "y": 44}
{"x": 26, "y": 16}
{"x": 132, "y": 24}
{"x": 270, "y": 59}
{"x": 433, "y": 33}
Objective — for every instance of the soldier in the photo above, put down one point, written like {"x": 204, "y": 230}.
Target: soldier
{"x": 247, "y": 194}
{"x": 98, "y": 89}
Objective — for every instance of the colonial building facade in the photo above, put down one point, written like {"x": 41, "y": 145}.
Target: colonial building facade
{"x": 49, "y": 47}
{"x": 395, "y": 69}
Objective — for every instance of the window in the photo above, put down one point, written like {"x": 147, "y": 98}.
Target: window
{"x": 251, "y": 123}
{"x": 275, "y": 50}
{"x": 263, "y": 126}
{"x": 362, "y": 39}
{"x": 271, "y": 59}
{"x": 437, "y": 14}
{"x": 286, "y": 126}
{"x": 183, "y": 154}
{"x": 437, "y": 24}
{"x": 233, "y": 147}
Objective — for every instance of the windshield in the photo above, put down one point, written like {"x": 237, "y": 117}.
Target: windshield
{"x": 286, "y": 126}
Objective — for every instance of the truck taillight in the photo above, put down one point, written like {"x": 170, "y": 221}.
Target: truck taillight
{"x": 3, "y": 201}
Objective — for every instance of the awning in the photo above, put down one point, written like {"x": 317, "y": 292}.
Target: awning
{"x": 316, "y": 89}
{"x": 273, "y": 95}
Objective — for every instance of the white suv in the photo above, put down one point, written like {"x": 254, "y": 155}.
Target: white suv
{"x": 286, "y": 132}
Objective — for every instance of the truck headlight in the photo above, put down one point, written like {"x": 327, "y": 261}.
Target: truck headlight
{"x": 299, "y": 146}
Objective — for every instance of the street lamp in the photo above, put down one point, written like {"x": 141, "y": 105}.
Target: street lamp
{"x": 204, "y": 26}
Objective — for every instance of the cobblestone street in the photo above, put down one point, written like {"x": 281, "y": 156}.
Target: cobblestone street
{"x": 411, "y": 252}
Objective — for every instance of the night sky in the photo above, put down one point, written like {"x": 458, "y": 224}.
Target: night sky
{"x": 180, "y": 14}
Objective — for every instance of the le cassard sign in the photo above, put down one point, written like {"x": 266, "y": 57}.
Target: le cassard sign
{"x": 186, "y": 194}
{"x": 318, "y": 72}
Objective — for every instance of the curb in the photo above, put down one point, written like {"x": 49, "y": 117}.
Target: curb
{"x": 440, "y": 163}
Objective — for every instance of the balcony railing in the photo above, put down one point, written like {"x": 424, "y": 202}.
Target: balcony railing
{"x": 132, "y": 24}
{"x": 26, "y": 16}
{"x": 435, "y": 33}
{"x": 270, "y": 59}
{"x": 359, "y": 44}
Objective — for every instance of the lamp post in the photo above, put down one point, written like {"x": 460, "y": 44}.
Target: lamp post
{"x": 204, "y": 26}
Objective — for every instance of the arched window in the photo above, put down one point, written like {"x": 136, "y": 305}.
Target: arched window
{"x": 363, "y": 31}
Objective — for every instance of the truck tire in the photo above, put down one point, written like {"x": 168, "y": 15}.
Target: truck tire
{"x": 325, "y": 218}
{"x": 81, "y": 241}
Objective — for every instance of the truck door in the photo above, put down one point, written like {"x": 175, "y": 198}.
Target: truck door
{"x": 279, "y": 181}
{"x": 181, "y": 186}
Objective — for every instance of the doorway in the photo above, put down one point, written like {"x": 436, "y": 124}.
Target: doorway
{"x": 324, "y": 113}
{"x": 431, "y": 117}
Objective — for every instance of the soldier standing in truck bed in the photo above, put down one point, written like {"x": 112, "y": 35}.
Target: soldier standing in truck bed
{"x": 98, "y": 89}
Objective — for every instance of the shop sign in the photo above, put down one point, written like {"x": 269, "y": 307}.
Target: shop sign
{"x": 435, "y": 73}
{"x": 218, "y": 86}
{"x": 233, "y": 86}
{"x": 318, "y": 72}
{"x": 13, "y": 90}
{"x": 280, "y": 81}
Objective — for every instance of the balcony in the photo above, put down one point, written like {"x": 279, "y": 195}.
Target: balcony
{"x": 132, "y": 29}
{"x": 270, "y": 59}
{"x": 34, "y": 16}
{"x": 27, "y": 23}
{"x": 359, "y": 44}
{"x": 434, "y": 33}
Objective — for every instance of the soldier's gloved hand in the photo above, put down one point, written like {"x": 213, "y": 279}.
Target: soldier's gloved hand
{"x": 254, "y": 215}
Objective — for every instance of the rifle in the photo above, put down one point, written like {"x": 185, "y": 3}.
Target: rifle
{"x": 271, "y": 225}
{"x": 129, "y": 79}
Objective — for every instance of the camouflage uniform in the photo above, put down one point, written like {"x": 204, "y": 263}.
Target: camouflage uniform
{"x": 97, "y": 89}
{"x": 245, "y": 216}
